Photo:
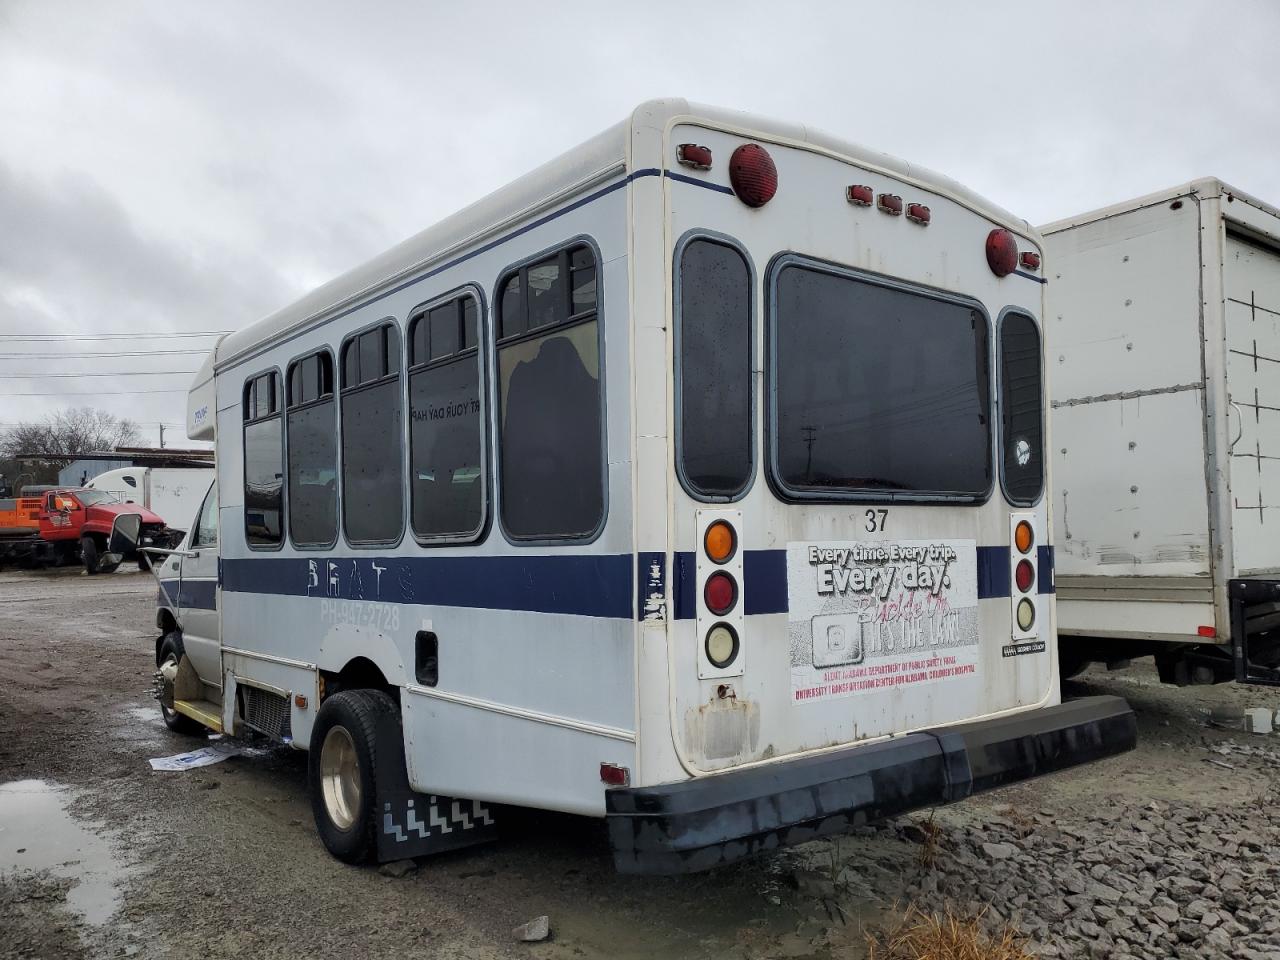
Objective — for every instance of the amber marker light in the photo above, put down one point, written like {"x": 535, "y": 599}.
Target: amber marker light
{"x": 720, "y": 542}
{"x": 1023, "y": 537}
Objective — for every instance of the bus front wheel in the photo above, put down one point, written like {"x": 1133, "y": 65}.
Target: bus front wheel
{"x": 342, "y": 771}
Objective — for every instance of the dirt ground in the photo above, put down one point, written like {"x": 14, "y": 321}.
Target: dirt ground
{"x": 102, "y": 857}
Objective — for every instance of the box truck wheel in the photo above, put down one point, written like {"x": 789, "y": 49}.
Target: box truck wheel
{"x": 342, "y": 770}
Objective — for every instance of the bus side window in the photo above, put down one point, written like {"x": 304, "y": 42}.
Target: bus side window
{"x": 714, "y": 454}
{"x": 312, "y": 429}
{"x": 446, "y": 408}
{"x": 372, "y": 489}
{"x": 1022, "y": 409}
{"x": 551, "y": 440}
{"x": 263, "y": 461}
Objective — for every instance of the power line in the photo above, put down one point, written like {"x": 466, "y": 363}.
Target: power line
{"x": 98, "y": 354}
{"x": 89, "y": 393}
{"x": 122, "y": 373}
{"x": 46, "y": 337}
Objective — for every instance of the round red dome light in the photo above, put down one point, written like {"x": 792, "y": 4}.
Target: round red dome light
{"x": 1002, "y": 252}
{"x": 720, "y": 593}
{"x": 753, "y": 175}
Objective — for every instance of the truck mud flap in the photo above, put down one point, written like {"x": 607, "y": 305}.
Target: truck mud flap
{"x": 412, "y": 824}
{"x": 1255, "y": 630}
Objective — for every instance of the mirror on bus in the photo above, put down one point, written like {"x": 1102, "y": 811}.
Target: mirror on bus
{"x": 125, "y": 533}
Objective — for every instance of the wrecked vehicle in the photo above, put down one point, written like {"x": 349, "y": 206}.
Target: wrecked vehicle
{"x": 78, "y": 524}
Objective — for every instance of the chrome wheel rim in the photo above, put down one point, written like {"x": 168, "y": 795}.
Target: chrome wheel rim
{"x": 340, "y": 777}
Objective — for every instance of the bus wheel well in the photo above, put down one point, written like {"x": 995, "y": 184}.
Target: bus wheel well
{"x": 166, "y": 624}
{"x": 360, "y": 673}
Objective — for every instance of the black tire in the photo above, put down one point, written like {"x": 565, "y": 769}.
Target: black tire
{"x": 171, "y": 649}
{"x": 359, "y": 713}
{"x": 89, "y": 555}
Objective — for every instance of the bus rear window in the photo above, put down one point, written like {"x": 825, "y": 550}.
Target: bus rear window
{"x": 879, "y": 392}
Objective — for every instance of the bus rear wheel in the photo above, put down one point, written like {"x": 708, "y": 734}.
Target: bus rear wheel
{"x": 342, "y": 771}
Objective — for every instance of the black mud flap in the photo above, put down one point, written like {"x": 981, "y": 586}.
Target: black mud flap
{"x": 412, "y": 824}
{"x": 1255, "y": 630}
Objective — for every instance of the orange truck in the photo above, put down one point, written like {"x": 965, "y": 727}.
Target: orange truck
{"x": 67, "y": 525}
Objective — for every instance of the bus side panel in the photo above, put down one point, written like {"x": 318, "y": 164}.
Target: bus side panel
{"x": 536, "y": 666}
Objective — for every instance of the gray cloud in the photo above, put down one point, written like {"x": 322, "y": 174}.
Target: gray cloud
{"x": 198, "y": 165}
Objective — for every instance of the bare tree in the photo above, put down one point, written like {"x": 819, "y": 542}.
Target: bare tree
{"x": 65, "y": 435}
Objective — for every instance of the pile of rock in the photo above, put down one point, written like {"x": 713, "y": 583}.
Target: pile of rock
{"x": 1148, "y": 880}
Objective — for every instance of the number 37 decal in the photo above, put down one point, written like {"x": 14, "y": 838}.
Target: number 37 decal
{"x": 876, "y": 519}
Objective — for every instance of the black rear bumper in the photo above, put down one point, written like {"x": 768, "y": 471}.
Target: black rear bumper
{"x": 706, "y": 821}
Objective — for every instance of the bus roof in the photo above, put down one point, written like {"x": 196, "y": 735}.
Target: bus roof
{"x": 605, "y": 155}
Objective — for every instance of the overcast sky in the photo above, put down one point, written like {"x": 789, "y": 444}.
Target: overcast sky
{"x": 169, "y": 166}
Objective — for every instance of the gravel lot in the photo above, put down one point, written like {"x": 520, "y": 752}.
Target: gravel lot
{"x": 1167, "y": 851}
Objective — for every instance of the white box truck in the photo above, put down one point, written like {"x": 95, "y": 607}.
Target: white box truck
{"x": 1165, "y": 372}
{"x": 172, "y": 493}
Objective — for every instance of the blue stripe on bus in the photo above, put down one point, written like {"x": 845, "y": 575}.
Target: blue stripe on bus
{"x": 574, "y": 584}
{"x": 194, "y": 595}
{"x": 577, "y": 584}
{"x": 765, "y": 579}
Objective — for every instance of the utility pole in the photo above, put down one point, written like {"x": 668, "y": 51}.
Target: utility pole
{"x": 162, "y": 436}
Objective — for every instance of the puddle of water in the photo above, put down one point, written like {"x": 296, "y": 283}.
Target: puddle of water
{"x": 38, "y": 832}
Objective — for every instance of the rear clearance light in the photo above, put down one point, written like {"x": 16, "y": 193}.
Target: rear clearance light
{"x": 1024, "y": 575}
{"x": 1030, "y": 260}
{"x": 860, "y": 194}
{"x": 918, "y": 213}
{"x": 614, "y": 775}
{"x": 1002, "y": 252}
{"x": 692, "y": 155}
{"x": 753, "y": 175}
{"x": 1209, "y": 632}
{"x": 720, "y": 594}
{"x": 720, "y": 542}
{"x": 890, "y": 204}
{"x": 722, "y": 646}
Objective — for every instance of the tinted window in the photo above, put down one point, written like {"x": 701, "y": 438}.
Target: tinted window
{"x": 715, "y": 369}
{"x": 263, "y": 461}
{"x": 446, "y": 486}
{"x": 206, "y": 532}
{"x": 372, "y": 493}
{"x": 1022, "y": 418}
{"x": 313, "y": 452}
{"x": 551, "y": 440}
{"x": 878, "y": 390}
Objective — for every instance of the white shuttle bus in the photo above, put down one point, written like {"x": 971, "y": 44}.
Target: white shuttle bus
{"x": 695, "y": 481}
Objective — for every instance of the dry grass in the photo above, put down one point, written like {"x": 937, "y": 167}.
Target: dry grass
{"x": 947, "y": 936}
{"x": 928, "y": 855}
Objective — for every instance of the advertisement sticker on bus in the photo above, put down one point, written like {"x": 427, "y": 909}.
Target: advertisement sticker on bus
{"x": 873, "y": 615}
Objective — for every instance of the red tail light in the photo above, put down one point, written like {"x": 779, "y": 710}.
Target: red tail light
{"x": 1209, "y": 632}
{"x": 1002, "y": 252}
{"x": 1025, "y": 576}
{"x": 614, "y": 775}
{"x": 720, "y": 593}
{"x": 753, "y": 175}
{"x": 1030, "y": 260}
